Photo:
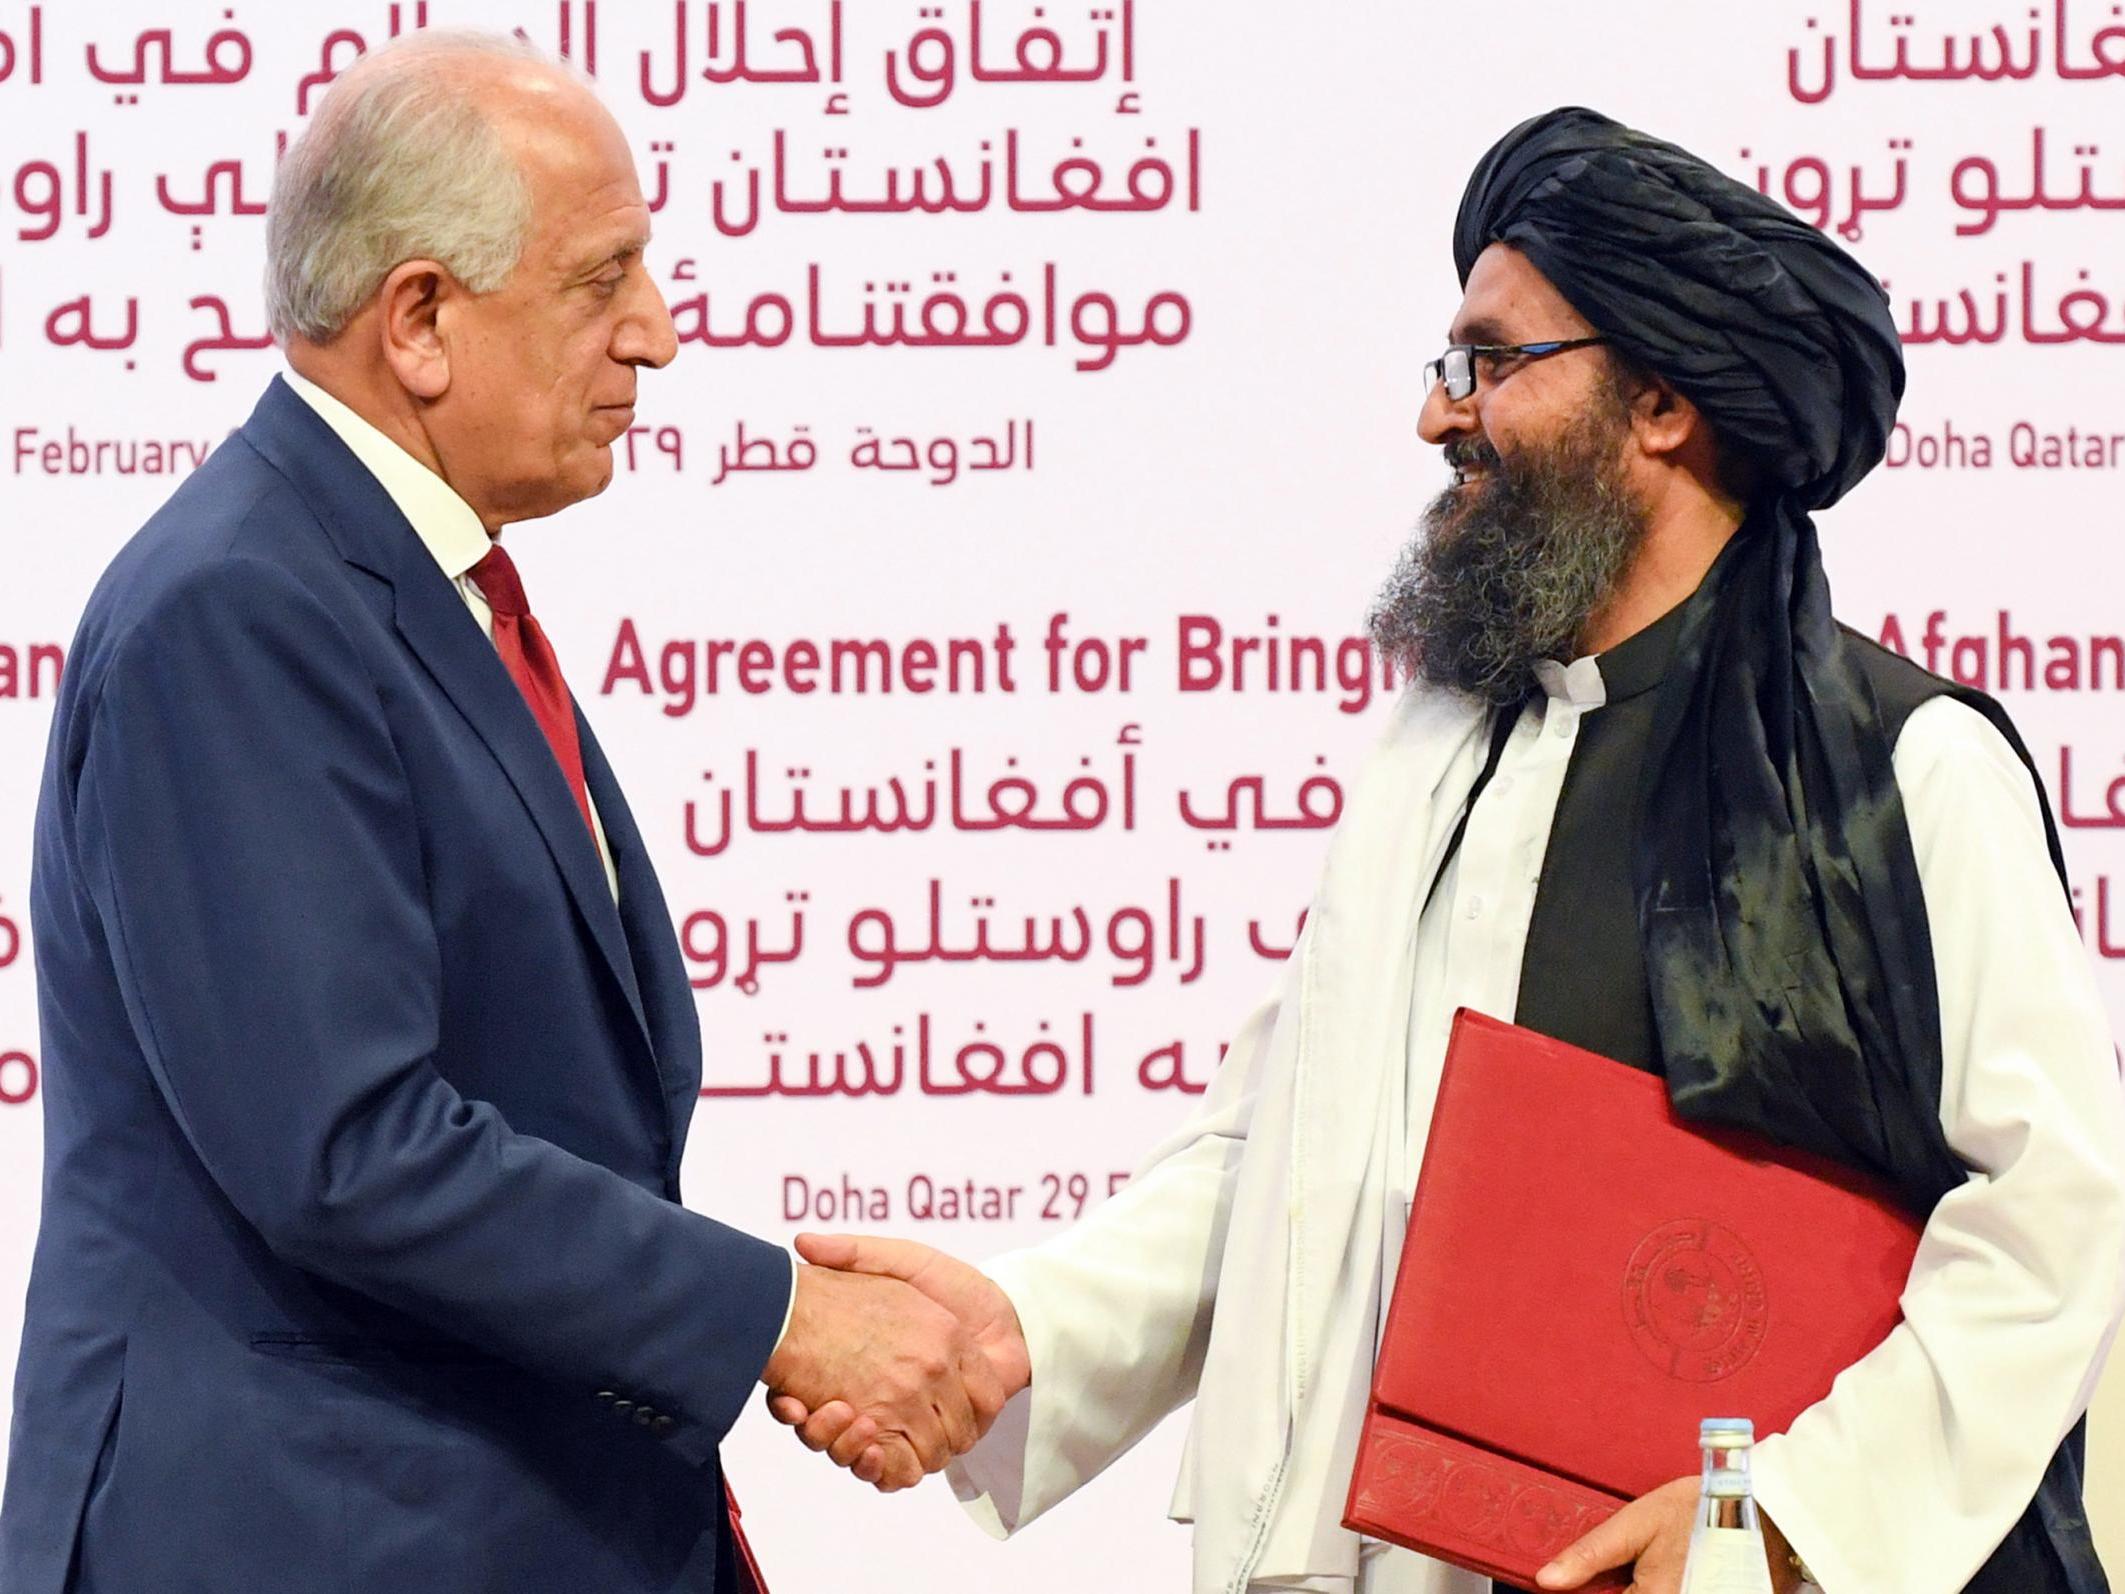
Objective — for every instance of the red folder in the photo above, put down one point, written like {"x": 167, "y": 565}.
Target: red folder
{"x": 1586, "y": 1278}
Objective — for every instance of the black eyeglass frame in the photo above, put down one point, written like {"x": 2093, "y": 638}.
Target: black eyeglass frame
{"x": 1457, "y": 366}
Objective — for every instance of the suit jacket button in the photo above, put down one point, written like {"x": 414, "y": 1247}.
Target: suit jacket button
{"x": 644, "y": 1416}
{"x": 663, "y": 1425}
{"x": 621, "y": 1408}
{"x": 607, "y": 1396}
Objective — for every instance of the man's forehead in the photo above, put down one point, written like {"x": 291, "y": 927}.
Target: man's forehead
{"x": 586, "y": 196}
{"x": 1507, "y": 300}
{"x": 560, "y": 134}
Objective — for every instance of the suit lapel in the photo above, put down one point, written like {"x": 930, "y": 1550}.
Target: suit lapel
{"x": 666, "y": 995}
{"x": 372, "y": 534}
{"x": 433, "y": 619}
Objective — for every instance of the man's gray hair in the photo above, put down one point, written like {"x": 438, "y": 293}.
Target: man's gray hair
{"x": 399, "y": 163}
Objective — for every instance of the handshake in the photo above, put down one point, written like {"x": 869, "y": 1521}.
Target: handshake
{"x": 897, "y": 1357}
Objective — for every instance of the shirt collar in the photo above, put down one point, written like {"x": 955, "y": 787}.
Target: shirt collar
{"x": 1578, "y": 683}
{"x": 1636, "y": 664}
{"x": 447, "y": 526}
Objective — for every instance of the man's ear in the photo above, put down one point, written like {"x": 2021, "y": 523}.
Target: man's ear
{"x": 411, "y": 301}
{"x": 1663, "y": 421}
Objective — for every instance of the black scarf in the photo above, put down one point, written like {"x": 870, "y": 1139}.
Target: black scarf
{"x": 1786, "y": 945}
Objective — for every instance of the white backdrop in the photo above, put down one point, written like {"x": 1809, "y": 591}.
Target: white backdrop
{"x": 1099, "y": 322}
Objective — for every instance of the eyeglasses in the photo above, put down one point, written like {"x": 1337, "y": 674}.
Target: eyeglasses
{"x": 1457, "y": 367}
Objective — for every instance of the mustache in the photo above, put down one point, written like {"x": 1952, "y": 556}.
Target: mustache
{"x": 1466, "y": 453}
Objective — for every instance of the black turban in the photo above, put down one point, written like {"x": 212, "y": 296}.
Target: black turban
{"x": 1787, "y": 954}
{"x": 1779, "y": 336}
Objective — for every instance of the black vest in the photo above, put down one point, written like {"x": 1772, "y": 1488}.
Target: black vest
{"x": 1583, "y": 978}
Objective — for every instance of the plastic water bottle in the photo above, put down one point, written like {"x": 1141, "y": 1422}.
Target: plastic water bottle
{"x": 1726, "y": 1547}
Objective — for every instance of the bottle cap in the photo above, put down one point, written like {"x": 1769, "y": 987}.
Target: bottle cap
{"x": 1728, "y": 1433}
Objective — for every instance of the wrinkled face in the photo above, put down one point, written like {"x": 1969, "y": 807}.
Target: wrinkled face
{"x": 542, "y": 371}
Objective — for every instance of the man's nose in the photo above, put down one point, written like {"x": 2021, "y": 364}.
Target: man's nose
{"x": 645, "y": 336}
{"x": 1442, "y": 419}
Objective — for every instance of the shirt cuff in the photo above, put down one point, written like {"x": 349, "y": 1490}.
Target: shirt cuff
{"x": 788, "y": 1311}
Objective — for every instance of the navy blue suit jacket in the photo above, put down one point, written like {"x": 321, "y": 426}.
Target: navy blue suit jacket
{"x": 362, "y": 1265}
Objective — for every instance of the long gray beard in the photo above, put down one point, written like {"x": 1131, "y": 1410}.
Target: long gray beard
{"x": 1509, "y": 571}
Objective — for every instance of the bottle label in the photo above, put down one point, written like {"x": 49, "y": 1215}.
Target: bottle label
{"x": 1726, "y": 1561}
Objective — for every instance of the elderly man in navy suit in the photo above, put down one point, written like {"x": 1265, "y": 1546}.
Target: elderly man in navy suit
{"x": 370, "y": 1054}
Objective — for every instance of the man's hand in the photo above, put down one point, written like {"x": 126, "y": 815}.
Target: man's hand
{"x": 1652, "y": 1536}
{"x": 983, "y": 1311}
{"x": 878, "y": 1350}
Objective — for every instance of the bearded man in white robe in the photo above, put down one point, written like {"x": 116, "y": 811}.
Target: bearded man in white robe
{"x": 1644, "y": 795}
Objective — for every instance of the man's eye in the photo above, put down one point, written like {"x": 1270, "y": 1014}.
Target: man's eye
{"x": 1489, "y": 364}
{"x": 608, "y": 286}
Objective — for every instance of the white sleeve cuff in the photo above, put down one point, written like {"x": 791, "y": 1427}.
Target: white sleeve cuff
{"x": 789, "y": 1310}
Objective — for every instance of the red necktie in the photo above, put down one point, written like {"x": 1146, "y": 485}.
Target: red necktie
{"x": 749, "y": 1579}
{"x": 528, "y": 657}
